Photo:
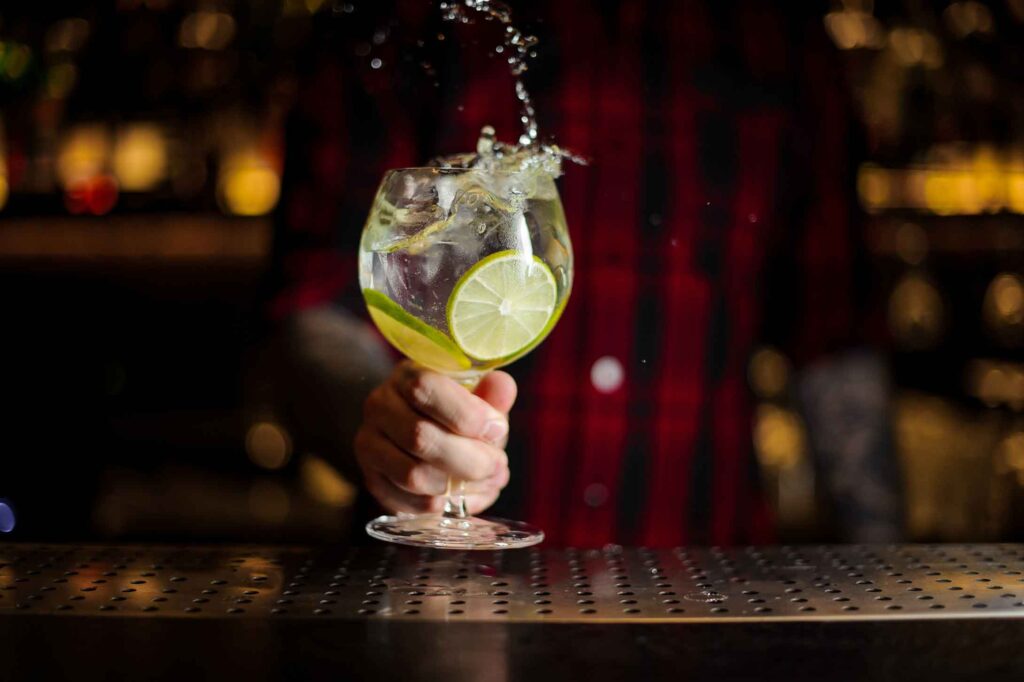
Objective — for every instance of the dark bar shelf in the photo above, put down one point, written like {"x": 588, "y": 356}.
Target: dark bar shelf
{"x": 135, "y": 238}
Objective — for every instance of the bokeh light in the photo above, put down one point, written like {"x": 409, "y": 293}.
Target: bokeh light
{"x": 769, "y": 372}
{"x": 7, "y": 520}
{"x": 248, "y": 185}
{"x": 67, "y": 35}
{"x": 324, "y": 483}
{"x": 916, "y": 314}
{"x": 140, "y": 157}
{"x": 83, "y": 153}
{"x": 207, "y": 30}
{"x": 1003, "y": 307}
{"x": 96, "y": 195}
{"x": 268, "y": 445}
{"x": 779, "y": 437}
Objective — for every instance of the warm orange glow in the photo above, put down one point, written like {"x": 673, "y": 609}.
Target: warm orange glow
{"x": 778, "y": 437}
{"x": 323, "y": 483}
{"x": 875, "y": 187}
{"x": 916, "y": 47}
{"x": 940, "y": 192}
{"x": 207, "y": 30}
{"x": 140, "y": 157}
{"x": 769, "y": 372}
{"x": 96, "y": 195}
{"x": 83, "y": 154}
{"x": 248, "y": 186}
{"x": 916, "y": 314}
{"x": 268, "y": 445}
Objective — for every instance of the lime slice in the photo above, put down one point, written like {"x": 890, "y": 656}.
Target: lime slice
{"x": 416, "y": 339}
{"x": 502, "y": 305}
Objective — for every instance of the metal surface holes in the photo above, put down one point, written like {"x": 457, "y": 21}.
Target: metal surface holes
{"x": 612, "y": 584}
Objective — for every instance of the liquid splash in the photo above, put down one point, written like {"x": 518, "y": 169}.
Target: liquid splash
{"x": 491, "y": 154}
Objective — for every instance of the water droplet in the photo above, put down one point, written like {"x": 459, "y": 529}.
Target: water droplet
{"x": 376, "y": 63}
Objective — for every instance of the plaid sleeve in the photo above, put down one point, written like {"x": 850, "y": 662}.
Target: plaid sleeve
{"x": 350, "y": 121}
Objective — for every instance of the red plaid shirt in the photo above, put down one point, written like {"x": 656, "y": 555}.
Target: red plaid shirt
{"x": 715, "y": 214}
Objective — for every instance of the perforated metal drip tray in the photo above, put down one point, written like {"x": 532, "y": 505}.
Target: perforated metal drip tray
{"x": 614, "y": 584}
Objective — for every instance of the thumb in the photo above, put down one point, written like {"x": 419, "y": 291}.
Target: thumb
{"x": 499, "y": 389}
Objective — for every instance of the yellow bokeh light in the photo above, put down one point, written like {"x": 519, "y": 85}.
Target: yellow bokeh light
{"x": 916, "y": 314}
{"x": 83, "y": 153}
{"x": 4, "y": 191}
{"x": 778, "y": 437}
{"x": 268, "y": 445}
{"x": 324, "y": 484}
{"x": 874, "y": 185}
{"x": 1003, "y": 308}
{"x": 1015, "y": 191}
{"x": 140, "y": 157}
{"x": 248, "y": 186}
{"x": 207, "y": 30}
{"x": 1010, "y": 456}
{"x": 769, "y": 372}
{"x": 940, "y": 192}
{"x": 1008, "y": 296}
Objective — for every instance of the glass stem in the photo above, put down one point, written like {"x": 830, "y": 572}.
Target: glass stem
{"x": 455, "y": 495}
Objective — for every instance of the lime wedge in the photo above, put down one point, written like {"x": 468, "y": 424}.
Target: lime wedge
{"x": 413, "y": 337}
{"x": 502, "y": 305}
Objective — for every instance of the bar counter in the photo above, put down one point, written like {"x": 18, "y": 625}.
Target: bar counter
{"x": 841, "y": 612}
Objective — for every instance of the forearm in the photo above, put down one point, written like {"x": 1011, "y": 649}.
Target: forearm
{"x": 326, "y": 362}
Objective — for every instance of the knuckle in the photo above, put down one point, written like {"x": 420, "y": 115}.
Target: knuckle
{"x": 469, "y": 419}
{"x": 421, "y": 389}
{"x": 423, "y": 438}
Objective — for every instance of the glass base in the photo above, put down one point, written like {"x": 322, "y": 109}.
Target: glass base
{"x": 437, "y": 530}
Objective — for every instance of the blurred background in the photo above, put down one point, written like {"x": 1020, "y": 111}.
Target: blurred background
{"x": 140, "y": 158}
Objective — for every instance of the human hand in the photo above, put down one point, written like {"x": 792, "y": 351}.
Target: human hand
{"x": 420, "y": 427}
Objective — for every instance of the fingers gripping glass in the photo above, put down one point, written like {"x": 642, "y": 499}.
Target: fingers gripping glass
{"x": 464, "y": 271}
